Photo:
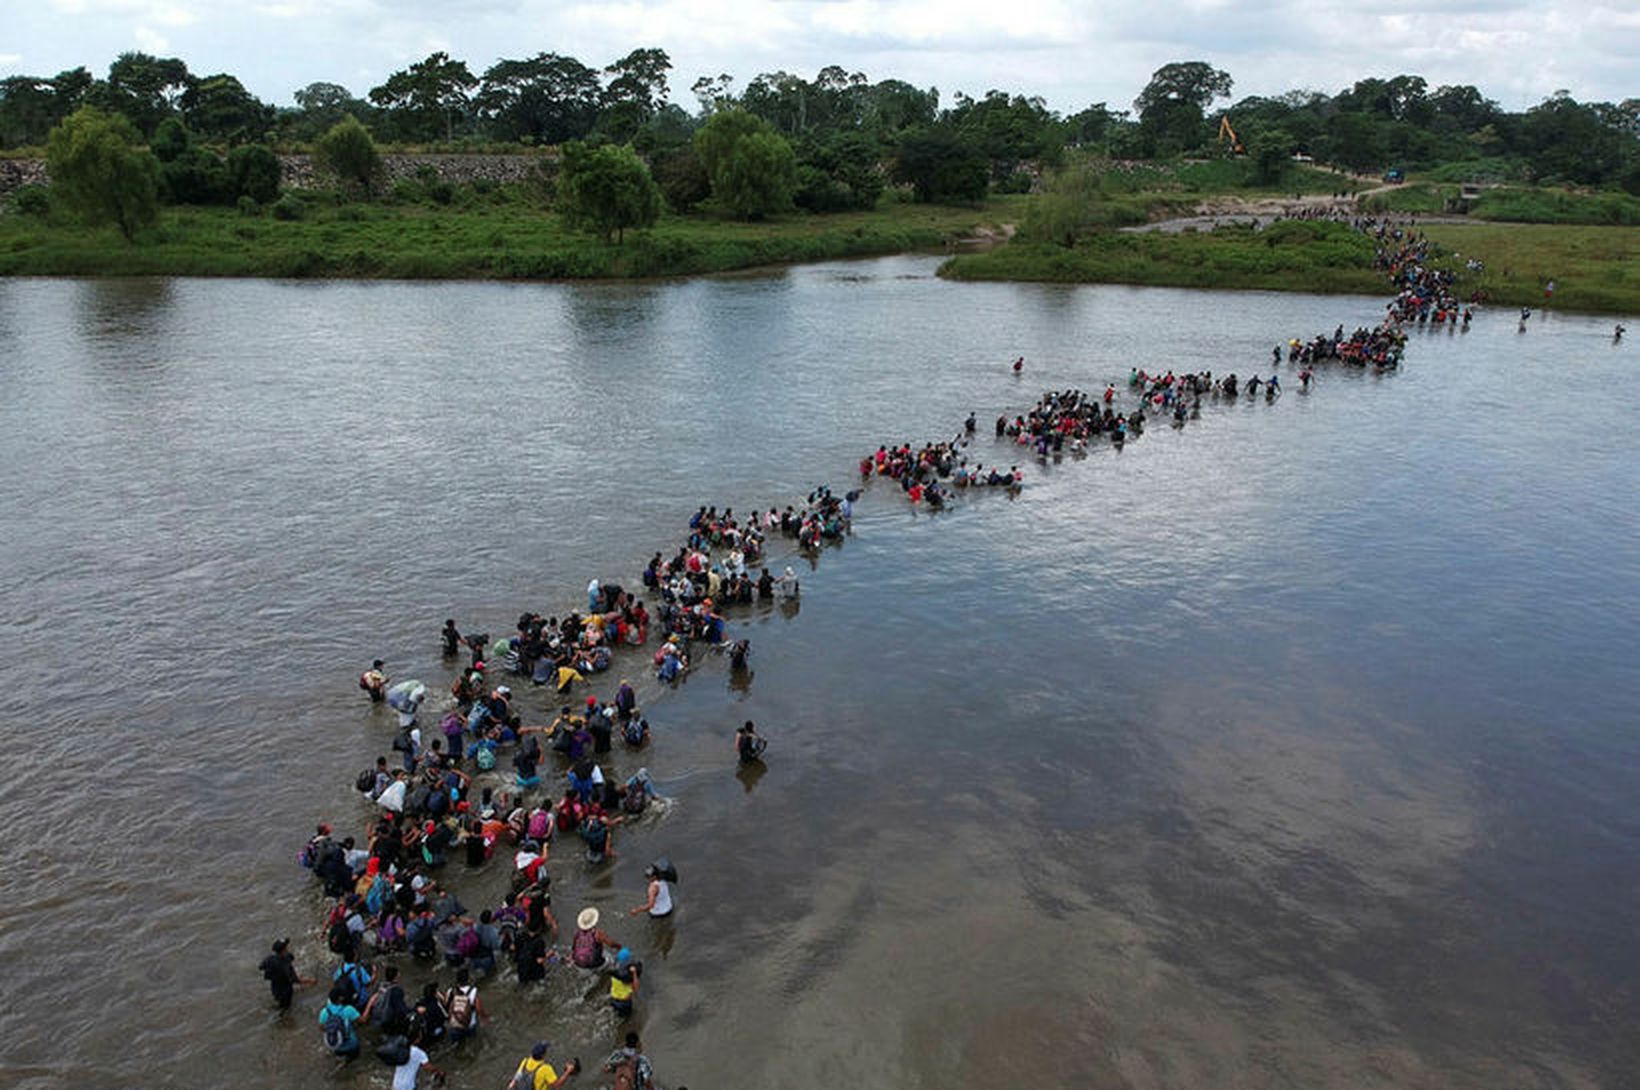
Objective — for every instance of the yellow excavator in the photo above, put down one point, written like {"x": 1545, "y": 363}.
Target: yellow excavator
{"x": 1227, "y": 134}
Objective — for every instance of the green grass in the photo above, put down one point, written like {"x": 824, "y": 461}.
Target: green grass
{"x": 1595, "y": 269}
{"x": 1291, "y": 256}
{"x": 498, "y": 240}
{"x": 1519, "y": 204}
{"x": 1413, "y": 197}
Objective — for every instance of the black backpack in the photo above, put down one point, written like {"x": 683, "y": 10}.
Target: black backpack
{"x": 394, "y": 1051}
{"x": 366, "y": 781}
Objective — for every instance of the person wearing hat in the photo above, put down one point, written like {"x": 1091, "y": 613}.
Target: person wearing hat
{"x": 279, "y": 970}
{"x": 586, "y": 949}
{"x": 535, "y": 1073}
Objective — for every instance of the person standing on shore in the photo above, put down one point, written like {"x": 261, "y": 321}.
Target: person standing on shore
{"x": 279, "y": 970}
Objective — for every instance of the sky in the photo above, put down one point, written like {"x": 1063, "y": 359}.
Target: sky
{"x": 1071, "y": 54}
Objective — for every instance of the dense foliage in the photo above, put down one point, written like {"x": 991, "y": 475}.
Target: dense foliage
{"x": 847, "y": 135}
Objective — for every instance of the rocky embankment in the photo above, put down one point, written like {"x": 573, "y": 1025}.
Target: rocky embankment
{"x": 298, "y": 171}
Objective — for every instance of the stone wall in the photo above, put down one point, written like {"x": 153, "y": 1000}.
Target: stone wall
{"x": 297, "y": 170}
{"x": 15, "y": 173}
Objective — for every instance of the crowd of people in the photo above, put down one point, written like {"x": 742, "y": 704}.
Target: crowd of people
{"x": 446, "y": 803}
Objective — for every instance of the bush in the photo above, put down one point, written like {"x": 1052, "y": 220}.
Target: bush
{"x": 348, "y": 152}
{"x": 249, "y": 206}
{"x": 31, "y": 200}
{"x": 1019, "y": 181}
{"x": 682, "y": 178}
{"x": 255, "y": 172}
{"x": 289, "y": 207}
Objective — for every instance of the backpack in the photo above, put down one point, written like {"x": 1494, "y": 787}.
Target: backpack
{"x": 637, "y": 797}
{"x": 349, "y": 977}
{"x": 540, "y": 826}
{"x": 584, "y": 950}
{"x": 366, "y": 781}
{"x": 401, "y": 741}
{"x": 420, "y": 937}
{"x": 337, "y": 1035}
{"x": 394, "y": 1052}
{"x": 633, "y": 731}
{"x": 626, "y": 1074}
{"x": 461, "y": 1007}
{"x": 484, "y": 757}
{"x": 523, "y": 1079}
{"x": 664, "y": 870}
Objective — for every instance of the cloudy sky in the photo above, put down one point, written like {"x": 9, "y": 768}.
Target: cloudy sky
{"x": 1070, "y": 53}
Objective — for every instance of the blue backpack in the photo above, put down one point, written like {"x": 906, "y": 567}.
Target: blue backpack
{"x": 338, "y": 1034}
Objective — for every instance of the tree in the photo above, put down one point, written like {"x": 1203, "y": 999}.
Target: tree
{"x": 635, "y": 93}
{"x": 146, "y": 88}
{"x": 188, "y": 173}
{"x": 1009, "y": 130}
{"x": 255, "y": 172}
{"x": 893, "y": 106}
{"x": 348, "y": 152}
{"x": 683, "y": 180}
{"x": 426, "y": 98}
{"x": 1172, "y": 106}
{"x": 713, "y": 93}
{"x": 940, "y": 166}
{"x": 1271, "y": 153}
{"x": 219, "y": 108}
{"x": 321, "y": 105}
{"x": 98, "y": 171}
{"x": 758, "y": 177}
{"x": 546, "y": 99}
{"x": 752, "y": 167}
{"x": 606, "y": 189}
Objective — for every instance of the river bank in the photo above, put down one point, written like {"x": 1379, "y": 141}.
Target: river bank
{"x": 1593, "y": 268}
{"x": 499, "y": 239}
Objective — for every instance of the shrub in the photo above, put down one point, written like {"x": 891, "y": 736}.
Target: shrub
{"x": 249, "y": 206}
{"x": 32, "y": 200}
{"x": 289, "y": 207}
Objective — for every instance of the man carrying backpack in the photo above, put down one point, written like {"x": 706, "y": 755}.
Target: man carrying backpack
{"x": 336, "y": 1019}
{"x": 279, "y": 970}
{"x": 354, "y": 980}
{"x": 630, "y": 1066}
{"x": 466, "y": 1012}
{"x": 535, "y": 1073}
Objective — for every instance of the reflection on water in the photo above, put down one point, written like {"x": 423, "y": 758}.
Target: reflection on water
{"x": 1287, "y": 750}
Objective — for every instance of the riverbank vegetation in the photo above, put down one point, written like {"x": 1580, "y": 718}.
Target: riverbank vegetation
{"x": 499, "y": 232}
{"x": 1292, "y": 255}
{"x": 624, "y": 182}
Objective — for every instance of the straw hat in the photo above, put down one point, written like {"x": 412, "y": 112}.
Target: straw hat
{"x": 587, "y": 920}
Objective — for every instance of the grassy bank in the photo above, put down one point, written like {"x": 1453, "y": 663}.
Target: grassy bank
{"x": 504, "y": 240}
{"x": 1595, "y": 269}
{"x": 1290, "y": 256}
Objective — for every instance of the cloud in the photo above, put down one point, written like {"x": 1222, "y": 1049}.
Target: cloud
{"x": 1071, "y": 52}
{"x": 149, "y": 40}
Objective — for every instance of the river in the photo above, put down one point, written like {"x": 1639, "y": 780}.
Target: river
{"x": 1293, "y": 749}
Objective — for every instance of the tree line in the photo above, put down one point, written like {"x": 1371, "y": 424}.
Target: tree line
{"x": 834, "y": 118}
{"x": 825, "y": 144}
